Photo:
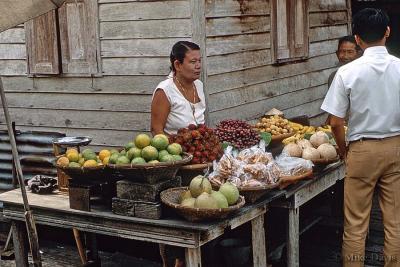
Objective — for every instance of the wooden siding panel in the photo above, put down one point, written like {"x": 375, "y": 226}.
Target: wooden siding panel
{"x": 132, "y": 84}
{"x": 323, "y": 48}
{"x": 80, "y": 101}
{"x": 328, "y": 19}
{"x": 327, "y": 33}
{"x": 146, "y": 29}
{"x": 225, "y": 8}
{"x": 266, "y": 90}
{"x": 13, "y": 67}
{"x": 255, "y": 110}
{"x": 80, "y": 119}
{"x": 238, "y": 61}
{"x": 327, "y": 5}
{"x": 14, "y": 35}
{"x": 136, "y": 66}
{"x": 139, "y": 47}
{"x": 237, "y": 79}
{"x": 144, "y": 11}
{"x": 237, "y": 43}
{"x": 237, "y": 25}
{"x": 12, "y": 51}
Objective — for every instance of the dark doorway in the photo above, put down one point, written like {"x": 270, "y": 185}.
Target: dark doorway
{"x": 392, "y": 7}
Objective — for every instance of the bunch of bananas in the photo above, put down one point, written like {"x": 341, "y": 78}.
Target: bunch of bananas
{"x": 325, "y": 128}
{"x": 300, "y": 131}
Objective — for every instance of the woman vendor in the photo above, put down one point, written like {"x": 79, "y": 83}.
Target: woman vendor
{"x": 179, "y": 100}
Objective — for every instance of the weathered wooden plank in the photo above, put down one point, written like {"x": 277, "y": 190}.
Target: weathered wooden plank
{"x": 14, "y": 35}
{"x": 225, "y": 8}
{"x": 255, "y": 109}
{"x": 293, "y": 235}
{"x": 258, "y": 242}
{"x": 101, "y": 137}
{"x": 328, "y": 19}
{"x": 237, "y": 25}
{"x": 134, "y": 84}
{"x": 328, "y": 33}
{"x": 126, "y": 1}
{"x": 323, "y": 48}
{"x": 267, "y": 90}
{"x": 179, "y": 28}
{"x": 81, "y": 101}
{"x": 310, "y": 109}
{"x": 138, "y": 47}
{"x": 237, "y": 43}
{"x": 136, "y": 66}
{"x": 20, "y": 244}
{"x": 13, "y": 67}
{"x": 78, "y": 118}
{"x": 239, "y": 79}
{"x": 238, "y": 61}
{"x": 12, "y": 51}
{"x": 327, "y": 5}
{"x": 193, "y": 257}
{"x": 144, "y": 10}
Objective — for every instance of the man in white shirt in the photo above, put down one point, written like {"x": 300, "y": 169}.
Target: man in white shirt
{"x": 368, "y": 91}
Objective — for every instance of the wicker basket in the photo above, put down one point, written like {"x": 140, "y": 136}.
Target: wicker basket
{"x": 278, "y": 138}
{"x": 188, "y": 172}
{"x": 285, "y": 181}
{"x": 170, "y": 198}
{"x": 97, "y": 173}
{"x": 325, "y": 161}
{"x": 150, "y": 172}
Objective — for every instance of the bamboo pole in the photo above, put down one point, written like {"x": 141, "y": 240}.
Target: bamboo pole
{"x": 29, "y": 219}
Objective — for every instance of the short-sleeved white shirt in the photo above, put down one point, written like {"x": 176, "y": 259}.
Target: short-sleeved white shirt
{"x": 181, "y": 113}
{"x": 368, "y": 89}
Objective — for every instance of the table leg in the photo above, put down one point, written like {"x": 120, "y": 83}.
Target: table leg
{"x": 20, "y": 244}
{"x": 91, "y": 245}
{"x": 293, "y": 238}
{"x": 193, "y": 257}
{"x": 258, "y": 241}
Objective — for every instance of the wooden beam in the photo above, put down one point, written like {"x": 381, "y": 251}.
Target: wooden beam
{"x": 198, "y": 21}
{"x": 258, "y": 241}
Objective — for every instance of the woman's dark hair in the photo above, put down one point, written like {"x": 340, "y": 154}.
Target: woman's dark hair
{"x": 370, "y": 24}
{"x": 179, "y": 51}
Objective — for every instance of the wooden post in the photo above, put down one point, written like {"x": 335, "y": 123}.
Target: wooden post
{"x": 258, "y": 241}
{"x": 293, "y": 238}
{"x": 20, "y": 246}
{"x": 193, "y": 257}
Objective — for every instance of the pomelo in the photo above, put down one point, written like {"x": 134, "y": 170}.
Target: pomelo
{"x": 142, "y": 140}
{"x": 149, "y": 153}
{"x": 167, "y": 158}
{"x": 123, "y": 160}
{"x": 129, "y": 145}
{"x": 174, "y": 149}
{"x": 220, "y": 198}
{"x": 230, "y": 191}
{"x": 162, "y": 153}
{"x": 206, "y": 201}
{"x": 198, "y": 185}
{"x": 134, "y": 152}
{"x": 138, "y": 161}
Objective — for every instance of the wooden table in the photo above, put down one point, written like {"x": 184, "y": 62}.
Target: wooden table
{"x": 53, "y": 210}
{"x": 297, "y": 195}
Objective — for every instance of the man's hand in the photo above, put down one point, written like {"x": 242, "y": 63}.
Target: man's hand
{"x": 337, "y": 125}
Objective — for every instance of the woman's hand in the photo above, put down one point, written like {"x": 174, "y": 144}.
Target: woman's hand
{"x": 160, "y": 108}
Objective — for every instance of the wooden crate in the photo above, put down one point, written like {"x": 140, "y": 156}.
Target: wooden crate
{"x": 134, "y": 208}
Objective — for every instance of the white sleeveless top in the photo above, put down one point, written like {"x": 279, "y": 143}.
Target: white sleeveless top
{"x": 181, "y": 114}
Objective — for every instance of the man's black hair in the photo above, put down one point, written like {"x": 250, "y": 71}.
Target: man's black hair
{"x": 370, "y": 24}
{"x": 348, "y": 38}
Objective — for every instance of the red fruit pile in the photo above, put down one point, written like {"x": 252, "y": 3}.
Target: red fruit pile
{"x": 199, "y": 141}
{"x": 238, "y": 133}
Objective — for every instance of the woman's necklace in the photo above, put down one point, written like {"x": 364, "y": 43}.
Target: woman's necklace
{"x": 184, "y": 92}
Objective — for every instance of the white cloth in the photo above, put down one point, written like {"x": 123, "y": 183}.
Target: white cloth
{"x": 181, "y": 113}
{"x": 368, "y": 89}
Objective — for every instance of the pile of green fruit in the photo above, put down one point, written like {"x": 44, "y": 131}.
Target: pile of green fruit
{"x": 145, "y": 149}
{"x": 200, "y": 195}
{"x": 74, "y": 159}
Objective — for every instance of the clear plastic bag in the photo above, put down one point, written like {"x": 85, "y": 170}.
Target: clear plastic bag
{"x": 292, "y": 166}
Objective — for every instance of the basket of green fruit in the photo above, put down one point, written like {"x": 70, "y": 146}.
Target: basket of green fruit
{"x": 199, "y": 202}
{"x": 148, "y": 160}
{"x": 82, "y": 166}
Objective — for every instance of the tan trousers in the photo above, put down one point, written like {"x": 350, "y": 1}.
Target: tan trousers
{"x": 370, "y": 164}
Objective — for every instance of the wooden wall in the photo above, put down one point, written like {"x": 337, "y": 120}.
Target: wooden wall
{"x": 242, "y": 81}
{"x": 135, "y": 39}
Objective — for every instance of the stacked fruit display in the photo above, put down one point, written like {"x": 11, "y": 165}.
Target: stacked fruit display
{"x": 147, "y": 150}
{"x": 318, "y": 147}
{"x": 200, "y": 195}
{"x": 199, "y": 141}
{"x": 276, "y": 125}
{"x": 87, "y": 158}
{"x": 238, "y": 133}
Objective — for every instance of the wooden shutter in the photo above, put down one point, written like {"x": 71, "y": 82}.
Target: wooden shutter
{"x": 280, "y": 29}
{"x": 42, "y": 44}
{"x": 78, "y": 34}
{"x": 300, "y": 29}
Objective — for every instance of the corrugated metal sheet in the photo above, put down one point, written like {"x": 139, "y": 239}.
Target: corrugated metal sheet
{"x": 35, "y": 152}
